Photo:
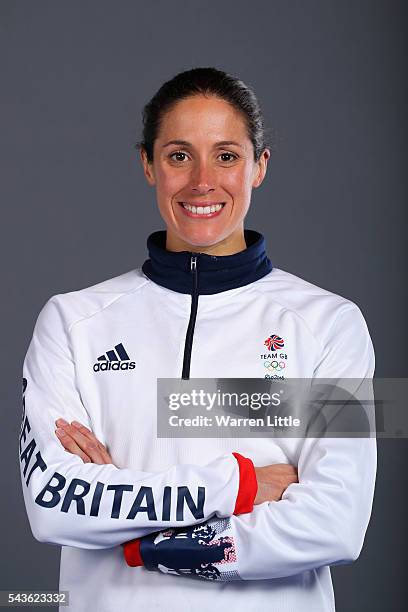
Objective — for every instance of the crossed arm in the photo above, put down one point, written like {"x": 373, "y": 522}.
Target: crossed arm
{"x": 198, "y": 549}
{"x": 319, "y": 520}
{"x": 301, "y": 529}
{"x": 90, "y": 505}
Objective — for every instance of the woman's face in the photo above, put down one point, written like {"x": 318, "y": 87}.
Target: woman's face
{"x": 203, "y": 158}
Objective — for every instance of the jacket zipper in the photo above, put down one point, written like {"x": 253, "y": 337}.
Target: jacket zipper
{"x": 191, "y": 324}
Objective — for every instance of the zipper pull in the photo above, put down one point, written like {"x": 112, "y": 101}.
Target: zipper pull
{"x": 193, "y": 263}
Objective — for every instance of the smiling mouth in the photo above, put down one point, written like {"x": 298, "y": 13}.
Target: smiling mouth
{"x": 205, "y": 209}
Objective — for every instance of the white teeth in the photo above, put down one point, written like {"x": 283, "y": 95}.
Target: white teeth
{"x": 203, "y": 210}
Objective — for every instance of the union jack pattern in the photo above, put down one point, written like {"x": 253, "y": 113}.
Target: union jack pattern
{"x": 205, "y": 551}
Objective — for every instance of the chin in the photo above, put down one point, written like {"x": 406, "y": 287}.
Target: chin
{"x": 203, "y": 238}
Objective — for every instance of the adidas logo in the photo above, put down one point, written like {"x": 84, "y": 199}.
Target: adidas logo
{"x": 117, "y": 359}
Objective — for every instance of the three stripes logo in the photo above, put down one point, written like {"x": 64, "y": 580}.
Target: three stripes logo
{"x": 116, "y": 359}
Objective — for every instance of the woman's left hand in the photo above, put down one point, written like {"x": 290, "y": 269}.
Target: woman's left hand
{"x": 79, "y": 440}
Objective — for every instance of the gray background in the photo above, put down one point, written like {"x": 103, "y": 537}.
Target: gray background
{"x": 76, "y": 210}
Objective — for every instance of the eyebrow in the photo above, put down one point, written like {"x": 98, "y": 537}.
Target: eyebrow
{"x": 185, "y": 143}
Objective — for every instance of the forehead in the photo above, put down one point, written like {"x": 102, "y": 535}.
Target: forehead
{"x": 201, "y": 117}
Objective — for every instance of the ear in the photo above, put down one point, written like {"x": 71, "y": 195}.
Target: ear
{"x": 261, "y": 168}
{"x": 147, "y": 167}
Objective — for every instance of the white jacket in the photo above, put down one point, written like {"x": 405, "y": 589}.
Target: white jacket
{"x": 95, "y": 357}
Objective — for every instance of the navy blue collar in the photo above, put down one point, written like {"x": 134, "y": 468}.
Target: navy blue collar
{"x": 216, "y": 273}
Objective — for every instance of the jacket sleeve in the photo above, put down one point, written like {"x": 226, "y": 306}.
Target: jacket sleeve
{"x": 85, "y": 505}
{"x": 321, "y": 520}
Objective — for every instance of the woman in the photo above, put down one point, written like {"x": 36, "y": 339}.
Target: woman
{"x": 206, "y": 304}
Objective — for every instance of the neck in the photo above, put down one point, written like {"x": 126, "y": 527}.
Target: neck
{"x": 234, "y": 243}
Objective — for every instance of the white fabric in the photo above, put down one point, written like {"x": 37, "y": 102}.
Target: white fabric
{"x": 284, "y": 548}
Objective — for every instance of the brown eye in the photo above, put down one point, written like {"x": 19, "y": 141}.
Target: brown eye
{"x": 178, "y": 153}
{"x": 231, "y": 155}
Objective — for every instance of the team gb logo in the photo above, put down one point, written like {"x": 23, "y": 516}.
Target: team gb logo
{"x": 274, "y": 343}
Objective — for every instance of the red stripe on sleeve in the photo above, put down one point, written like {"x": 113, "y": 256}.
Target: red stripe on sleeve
{"x": 248, "y": 485}
{"x": 131, "y": 550}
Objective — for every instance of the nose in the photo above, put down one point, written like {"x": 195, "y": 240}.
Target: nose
{"x": 203, "y": 179}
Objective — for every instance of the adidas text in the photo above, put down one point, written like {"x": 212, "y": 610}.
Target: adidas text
{"x": 114, "y": 365}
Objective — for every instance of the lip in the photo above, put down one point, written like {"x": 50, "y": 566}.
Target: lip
{"x": 198, "y": 215}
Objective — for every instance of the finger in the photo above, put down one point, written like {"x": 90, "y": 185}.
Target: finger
{"x": 88, "y": 433}
{"x": 88, "y": 446}
{"x": 94, "y": 447}
{"x": 71, "y": 431}
{"x": 70, "y": 445}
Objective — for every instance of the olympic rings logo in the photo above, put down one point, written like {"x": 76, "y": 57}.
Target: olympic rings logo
{"x": 275, "y": 365}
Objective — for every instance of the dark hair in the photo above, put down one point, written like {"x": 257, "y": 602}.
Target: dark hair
{"x": 203, "y": 81}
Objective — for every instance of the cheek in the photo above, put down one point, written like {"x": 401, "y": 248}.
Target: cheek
{"x": 238, "y": 181}
{"x": 169, "y": 183}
